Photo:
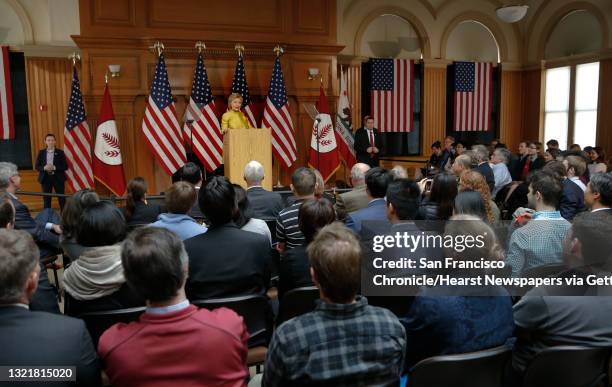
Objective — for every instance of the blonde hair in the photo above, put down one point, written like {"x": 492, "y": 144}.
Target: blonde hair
{"x": 472, "y": 180}
{"x": 231, "y": 99}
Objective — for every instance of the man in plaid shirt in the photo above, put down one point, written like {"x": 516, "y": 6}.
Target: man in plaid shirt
{"x": 344, "y": 341}
{"x": 540, "y": 241}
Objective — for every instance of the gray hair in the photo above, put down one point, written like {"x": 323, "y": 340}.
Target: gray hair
{"x": 358, "y": 171}
{"x": 18, "y": 258}
{"x": 465, "y": 161}
{"x": 481, "y": 153}
{"x": 398, "y": 172}
{"x": 7, "y": 170}
{"x": 253, "y": 172}
{"x": 503, "y": 154}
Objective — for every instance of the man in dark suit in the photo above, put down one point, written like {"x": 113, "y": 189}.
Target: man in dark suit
{"x": 225, "y": 261}
{"x": 481, "y": 153}
{"x": 368, "y": 143}
{"x": 263, "y": 204}
{"x": 38, "y": 338}
{"x": 51, "y": 166}
{"x": 377, "y": 180}
{"x": 598, "y": 195}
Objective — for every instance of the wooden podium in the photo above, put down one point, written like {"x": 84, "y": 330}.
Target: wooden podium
{"x": 243, "y": 145}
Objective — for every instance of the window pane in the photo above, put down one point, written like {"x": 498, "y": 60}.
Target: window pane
{"x": 557, "y": 89}
{"x": 587, "y": 83}
{"x": 585, "y": 128}
{"x": 555, "y": 127}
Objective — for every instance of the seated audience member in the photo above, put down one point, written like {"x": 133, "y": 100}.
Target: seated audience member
{"x": 294, "y": 269}
{"x": 517, "y": 165}
{"x": 398, "y": 172}
{"x": 156, "y": 266}
{"x": 344, "y": 340}
{"x": 462, "y": 163}
{"x": 501, "y": 174}
{"x": 598, "y": 161}
{"x": 481, "y": 154}
{"x": 7, "y": 212}
{"x": 470, "y": 203}
{"x": 377, "y": 180}
{"x": 70, "y": 219}
{"x": 179, "y": 199}
{"x": 192, "y": 174}
{"x": 288, "y": 234}
{"x": 320, "y": 187}
{"x": 137, "y": 210}
{"x": 545, "y": 318}
{"x": 536, "y": 156}
{"x": 357, "y": 198}
{"x": 37, "y": 338}
{"x": 225, "y": 261}
{"x": 402, "y": 201}
{"x": 459, "y": 148}
{"x": 480, "y": 318}
{"x": 551, "y": 155}
{"x": 572, "y": 198}
{"x": 436, "y": 156}
{"x": 574, "y": 148}
{"x": 95, "y": 281}
{"x": 244, "y": 216}
{"x": 552, "y": 145}
{"x": 437, "y": 204}
{"x": 598, "y": 195}
{"x": 576, "y": 167}
{"x": 539, "y": 241}
{"x": 474, "y": 181}
{"x": 264, "y": 204}
{"x": 446, "y": 159}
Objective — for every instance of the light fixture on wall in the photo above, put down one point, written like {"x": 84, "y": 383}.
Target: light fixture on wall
{"x": 511, "y": 13}
{"x": 115, "y": 70}
{"x": 313, "y": 72}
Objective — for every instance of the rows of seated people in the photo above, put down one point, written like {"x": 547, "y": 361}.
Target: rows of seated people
{"x": 209, "y": 240}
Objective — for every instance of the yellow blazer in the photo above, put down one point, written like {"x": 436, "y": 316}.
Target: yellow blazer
{"x": 234, "y": 120}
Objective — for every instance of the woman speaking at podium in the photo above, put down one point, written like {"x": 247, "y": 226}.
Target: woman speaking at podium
{"x": 233, "y": 118}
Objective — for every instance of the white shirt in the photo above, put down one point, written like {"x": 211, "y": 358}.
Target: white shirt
{"x": 502, "y": 177}
{"x": 578, "y": 182}
{"x": 258, "y": 226}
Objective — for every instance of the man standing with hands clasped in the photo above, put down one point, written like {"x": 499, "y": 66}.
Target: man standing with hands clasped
{"x": 368, "y": 143}
{"x": 51, "y": 166}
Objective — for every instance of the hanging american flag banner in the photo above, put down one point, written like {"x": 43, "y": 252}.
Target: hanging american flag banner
{"x": 276, "y": 116}
{"x": 391, "y": 95}
{"x": 77, "y": 140}
{"x": 473, "y": 96}
{"x": 203, "y": 135}
{"x": 7, "y": 126}
{"x": 240, "y": 86}
{"x": 160, "y": 124}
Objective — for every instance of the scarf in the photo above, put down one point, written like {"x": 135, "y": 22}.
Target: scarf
{"x": 97, "y": 273}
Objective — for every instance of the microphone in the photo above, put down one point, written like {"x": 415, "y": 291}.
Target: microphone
{"x": 317, "y": 121}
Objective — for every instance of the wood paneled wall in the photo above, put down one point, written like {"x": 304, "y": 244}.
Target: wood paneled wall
{"x": 511, "y": 109}
{"x": 434, "y": 107}
{"x": 354, "y": 94}
{"x": 532, "y": 86}
{"x": 604, "y": 115}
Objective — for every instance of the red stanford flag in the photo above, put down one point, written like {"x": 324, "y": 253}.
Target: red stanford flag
{"x": 327, "y": 160}
{"x": 473, "y": 96}
{"x": 107, "y": 162}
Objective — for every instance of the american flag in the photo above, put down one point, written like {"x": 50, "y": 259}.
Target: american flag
{"x": 276, "y": 116}
{"x": 391, "y": 94}
{"x": 240, "y": 86}
{"x": 77, "y": 140}
{"x": 7, "y": 126}
{"x": 160, "y": 124}
{"x": 473, "y": 96}
{"x": 204, "y": 134}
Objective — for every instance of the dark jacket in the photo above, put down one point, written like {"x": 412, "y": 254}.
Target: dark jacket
{"x": 227, "y": 261}
{"x": 143, "y": 214}
{"x": 294, "y": 270}
{"x": 46, "y": 240}
{"x": 59, "y": 161}
{"x": 487, "y": 172}
{"x": 123, "y": 298}
{"x": 362, "y": 143}
{"x": 264, "y": 204}
{"x": 428, "y": 210}
{"x": 572, "y": 200}
{"x": 44, "y": 339}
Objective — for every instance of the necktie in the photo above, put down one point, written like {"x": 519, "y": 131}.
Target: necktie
{"x": 526, "y": 169}
{"x": 372, "y": 143}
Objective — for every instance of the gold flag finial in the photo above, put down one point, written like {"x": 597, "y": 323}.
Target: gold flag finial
{"x": 200, "y": 46}
{"x": 278, "y": 50}
{"x": 74, "y": 57}
{"x": 158, "y": 47}
{"x": 240, "y": 48}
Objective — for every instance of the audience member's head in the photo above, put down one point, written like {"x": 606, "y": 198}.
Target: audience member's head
{"x": 500, "y": 156}
{"x": 481, "y": 153}
{"x": 377, "y": 181}
{"x": 19, "y": 267}
{"x": 402, "y": 200}
{"x": 303, "y": 182}
{"x": 191, "y": 173}
{"x": 589, "y": 239}
{"x": 7, "y": 211}
{"x": 443, "y": 191}
{"x": 599, "y": 191}
{"x": 155, "y": 264}
{"x": 448, "y": 143}
{"x": 532, "y": 149}
{"x": 10, "y": 180}
{"x": 180, "y": 198}
{"x": 335, "y": 261}
{"x": 358, "y": 174}
{"x": 545, "y": 190}
{"x": 470, "y": 203}
{"x": 313, "y": 215}
{"x": 466, "y": 226}
{"x": 597, "y": 155}
{"x": 539, "y": 149}
{"x": 136, "y": 192}
{"x": 398, "y": 172}
{"x": 71, "y": 215}
{"x": 320, "y": 184}
{"x": 462, "y": 163}
{"x": 217, "y": 200}
{"x": 243, "y": 214}
{"x": 522, "y": 148}
{"x": 557, "y": 168}
{"x": 575, "y": 165}
{"x": 436, "y": 148}
{"x": 100, "y": 224}
{"x": 473, "y": 181}
{"x": 574, "y": 148}
{"x": 253, "y": 173}
{"x": 459, "y": 148}
{"x": 552, "y": 144}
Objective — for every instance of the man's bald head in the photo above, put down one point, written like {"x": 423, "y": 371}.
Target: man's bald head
{"x": 358, "y": 174}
